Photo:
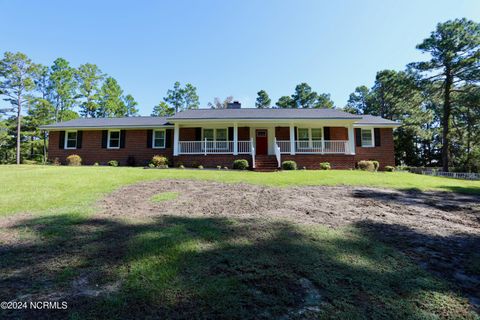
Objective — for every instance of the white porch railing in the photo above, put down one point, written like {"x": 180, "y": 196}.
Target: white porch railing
{"x": 252, "y": 151}
{"x": 315, "y": 146}
{"x": 277, "y": 153}
{"x": 213, "y": 147}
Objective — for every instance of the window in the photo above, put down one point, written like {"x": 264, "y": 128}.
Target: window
{"x": 71, "y": 140}
{"x": 114, "y": 139}
{"x": 158, "y": 139}
{"x": 367, "y": 137}
{"x": 317, "y": 134}
{"x": 220, "y": 134}
{"x": 303, "y": 134}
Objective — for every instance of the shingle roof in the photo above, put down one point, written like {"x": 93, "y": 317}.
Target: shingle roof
{"x": 220, "y": 114}
{"x": 126, "y": 122}
{"x": 374, "y": 120}
{"x": 250, "y": 113}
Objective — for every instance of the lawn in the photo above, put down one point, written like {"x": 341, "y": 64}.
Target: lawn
{"x": 49, "y": 188}
{"x": 182, "y": 266}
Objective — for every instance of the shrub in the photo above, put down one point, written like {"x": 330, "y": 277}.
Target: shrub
{"x": 113, "y": 163}
{"x": 131, "y": 161}
{"x": 96, "y": 164}
{"x": 56, "y": 162}
{"x": 219, "y": 167}
{"x": 325, "y": 166}
{"x": 376, "y": 164}
{"x": 389, "y": 168}
{"x": 181, "y": 166}
{"x": 226, "y": 168}
{"x": 74, "y": 160}
{"x": 304, "y": 168}
{"x": 366, "y": 165}
{"x": 289, "y": 165}
{"x": 159, "y": 161}
{"x": 240, "y": 164}
{"x": 200, "y": 167}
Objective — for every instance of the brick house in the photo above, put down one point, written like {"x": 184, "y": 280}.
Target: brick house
{"x": 213, "y": 137}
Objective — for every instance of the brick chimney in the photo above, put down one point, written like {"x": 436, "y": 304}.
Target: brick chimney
{"x": 234, "y": 105}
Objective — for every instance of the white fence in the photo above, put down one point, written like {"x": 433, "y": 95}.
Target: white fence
{"x": 315, "y": 146}
{"x": 213, "y": 147}
{"x": 454, "y": 175}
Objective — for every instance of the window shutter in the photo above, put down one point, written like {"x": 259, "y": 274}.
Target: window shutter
{"x": 230, "y": 133}
{"x": 79, "y": 139}
{"x": 123, "y": 133}
{"x": 104, "y": 138}
{"x": 149, "y": 138}
{"x": 358, "y": 137}
{"x": 326, "y": 133}
{"x": 376, "y": 132}
{"x": 198, "y": 134}
{"x": 168, "y": 138}
{"x": 61, "y": 140}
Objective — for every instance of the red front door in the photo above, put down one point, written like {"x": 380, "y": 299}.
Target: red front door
{"x": 261, "y": 141}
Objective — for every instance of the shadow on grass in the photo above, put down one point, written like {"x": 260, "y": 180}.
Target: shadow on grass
{"x": 465, "y": 190}
{"x": 203, "y": 268}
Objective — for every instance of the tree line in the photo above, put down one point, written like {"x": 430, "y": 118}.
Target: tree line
{"x": 437, "y": 101}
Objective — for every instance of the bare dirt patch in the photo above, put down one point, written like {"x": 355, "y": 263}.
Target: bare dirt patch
{"x": 439, "y": 230}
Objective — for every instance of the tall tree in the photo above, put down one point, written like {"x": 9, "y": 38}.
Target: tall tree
{"x": 63, "y": 87}
{"x": 190, "y": 97}
{"x": 110, "y": 102}
{"x": 163, "y": 110}
{"x": 455, "y": 60}
{"x": 89, "y": 78}
{"x": 175, "y": 96}
{"x": 17, "y": 74}
{"x": 130, "y": 106}
{"x": 358, "y": 101}
{"x": 304, "y": 96}
{"x": 285, "y": 102}
{"x": 263, "y": 100}
{"x": 323, "y": 101}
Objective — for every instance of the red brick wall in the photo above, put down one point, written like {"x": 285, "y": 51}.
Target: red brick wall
{"x": 383, "y": 154}
{"x": 338, "y": 133}
{"x": 282, "y": 133}
{"x": 209, "y": 161}
{"x": 92, "y": 151}
{"x": 312, "y": 161}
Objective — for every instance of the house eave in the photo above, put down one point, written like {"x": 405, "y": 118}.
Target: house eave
{"x": 56, "y": 128}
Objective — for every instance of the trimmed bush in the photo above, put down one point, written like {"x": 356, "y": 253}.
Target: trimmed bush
{"x": 74, "y": 160}
{"x": 96, "y": 164}
{"x": 389, "y": 168}
{"x": 325, "y": 166}
{"x": 181, "y": 166}
{"x": 131, "y": 162}
{"x": 226, "y": 168}
{"x": 240, "y": 164}
{"x": 29, "y": 162}
{"x": 289, "y": 165}
{"x": 56, "y": 162}
{"x": 376, "y": 164}
{"x": 113, "y": 163}
{"x": 159, "y": 161}
{"x": 200, "y": 167}
{"x": 365, "y": 165}
{"x": 219, "y": 167}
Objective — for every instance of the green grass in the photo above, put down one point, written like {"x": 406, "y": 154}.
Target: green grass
{"x": 49, "y": 188}
{"x": 204, "y": 268}
{"x": 164, "y": 196}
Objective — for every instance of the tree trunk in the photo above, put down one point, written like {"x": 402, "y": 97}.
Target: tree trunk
{"x": 44, "y": 147}
{"x": 19, "y": 126}
{"x": 446, "y": 119}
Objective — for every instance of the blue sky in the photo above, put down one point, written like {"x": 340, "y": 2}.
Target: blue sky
{"x": 229, "y": 47}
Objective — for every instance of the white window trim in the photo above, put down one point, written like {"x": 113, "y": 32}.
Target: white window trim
{"x": 310, "y": 138}
{"x": 164, "y": 138}
{"x": 372, "y": 132}
{"x": 215, "y": 134}
{"x": 119, "y": 139}
{"x": 65, "y": 145}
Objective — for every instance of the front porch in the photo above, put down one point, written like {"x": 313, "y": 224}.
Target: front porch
{"x": 263, "y": 139}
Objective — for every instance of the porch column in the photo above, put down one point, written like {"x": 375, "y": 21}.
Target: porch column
{"x": 176, "y": 135}
{"x": 292, "y": 139}
{"x": 351, "y": 139}
{"x": 235, "y": 139}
